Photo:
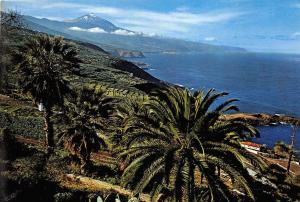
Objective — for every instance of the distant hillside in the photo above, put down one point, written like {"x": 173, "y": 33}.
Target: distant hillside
{"x": 97, "y": 66}
{"x": 101, "y": 32}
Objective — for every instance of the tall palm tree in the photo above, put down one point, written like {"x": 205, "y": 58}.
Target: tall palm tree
{"x": 176, "y": 139}
{"x": 41, "y": 62}
{"x": 87, "y": 113}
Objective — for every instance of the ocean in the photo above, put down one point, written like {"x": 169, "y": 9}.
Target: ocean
{"x": 268, "y": 83}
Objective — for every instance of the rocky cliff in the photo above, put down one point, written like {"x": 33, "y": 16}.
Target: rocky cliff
{"x": 129, "y": 53}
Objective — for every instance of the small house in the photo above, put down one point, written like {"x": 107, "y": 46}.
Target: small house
{"x": 251, "y": 146}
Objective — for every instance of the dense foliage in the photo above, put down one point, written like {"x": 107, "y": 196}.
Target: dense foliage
{"x": 86, "y": 124}
{"x": 40, "y": 64}
{"x": 174, "y": 138}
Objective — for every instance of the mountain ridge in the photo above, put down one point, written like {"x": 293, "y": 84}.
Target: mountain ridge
{"x": 101, "y": 32}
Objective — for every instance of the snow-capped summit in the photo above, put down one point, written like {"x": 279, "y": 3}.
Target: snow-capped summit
{"x": 91, "y": 20}
{"x": 92, "y": 14}
{"x": 88, "y": 17}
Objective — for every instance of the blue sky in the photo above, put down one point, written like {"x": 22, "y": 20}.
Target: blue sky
{"x": 257, "y": 25}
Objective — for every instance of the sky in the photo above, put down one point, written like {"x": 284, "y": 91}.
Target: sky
{"x": 257, "y": 25}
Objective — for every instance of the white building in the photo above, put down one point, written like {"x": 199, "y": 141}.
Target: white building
{"x": 251, "y": 146}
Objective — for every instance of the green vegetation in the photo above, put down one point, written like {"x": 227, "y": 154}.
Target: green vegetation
{"x": 40, "y": 64}
{"x": 85, "y": 116}
{"x": 174, "y": 137}
{"x": 163, "y": 142}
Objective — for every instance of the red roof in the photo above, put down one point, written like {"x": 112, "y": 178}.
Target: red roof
{"x": 252, "y": 144}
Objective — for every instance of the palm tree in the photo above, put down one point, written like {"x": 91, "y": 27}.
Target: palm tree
{"x": 87, "y": 113}
{"x": 81, "y": 139}
{"x": 176, "y": 138}
{"x": 124, "y": 110}
{"x": 41, "y": 62}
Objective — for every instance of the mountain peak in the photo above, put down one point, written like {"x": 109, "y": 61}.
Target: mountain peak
{"x": 89, "y": 17}
{"x": 92, "y": 14}
{"x": 91, "y": 20}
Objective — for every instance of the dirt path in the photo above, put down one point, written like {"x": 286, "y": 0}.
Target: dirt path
{"x": 103, "y": 157}
{"x": 283, "y": 163}
{"x": 89, "y": 184}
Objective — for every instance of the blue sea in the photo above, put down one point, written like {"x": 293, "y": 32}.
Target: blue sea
{"x": 262, "y": 82}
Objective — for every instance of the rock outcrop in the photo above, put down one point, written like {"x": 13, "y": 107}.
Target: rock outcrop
{"x": 261, "y": 119}
{"x": 129, "y": 53}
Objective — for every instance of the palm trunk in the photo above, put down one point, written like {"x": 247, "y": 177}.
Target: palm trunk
{"x": 48, "y": 130}
{"x": 289, "y": 162}
{"x": 201, "y": 178}
{"x": 291, "y": 149}
{"x": 192, "y": 184}
{"x": 85, "y": 164}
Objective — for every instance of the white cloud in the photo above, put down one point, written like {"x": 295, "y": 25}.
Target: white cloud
{"x": 96, "y": 30}
{"x": 185, "y": 18}
{"x": 117, "y": 32}
{"x": 51, "y": 18}
{"x": 295, "y": 35}
{"x": 76, "y": 29}
{"x": 63, "y": 5}
{"x": 209, "y": 38}
{"x": 297, "y": 5}
{"x": 93, "y": 30}
{"x": 162, "y": 23}
{"x": 151, "y": 34}
{"x": 84, "y": 8}
{"x": 124, "y": 32}
{"x": 162, "y": 27}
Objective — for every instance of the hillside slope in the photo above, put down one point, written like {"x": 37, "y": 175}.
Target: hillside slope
{"x": 97, "y": 67}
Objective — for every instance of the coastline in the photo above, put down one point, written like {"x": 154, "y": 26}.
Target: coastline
{"x": 262, "y": 119}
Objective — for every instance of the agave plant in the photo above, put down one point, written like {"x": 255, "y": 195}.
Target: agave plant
{"x": 176, "y": 144}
